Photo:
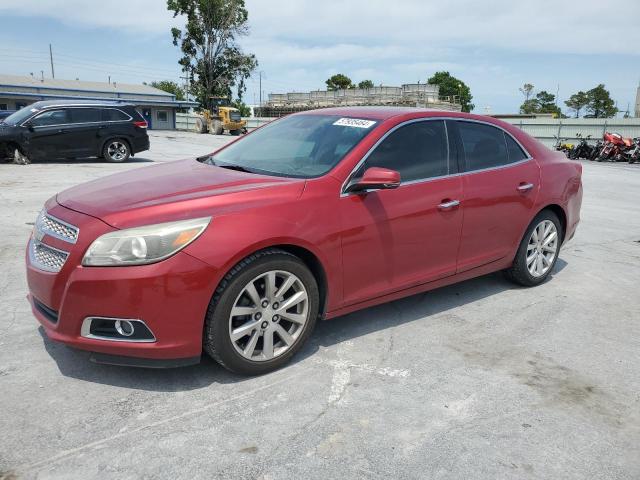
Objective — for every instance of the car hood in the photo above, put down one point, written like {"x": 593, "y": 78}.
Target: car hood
{"x": 173, "y": 191}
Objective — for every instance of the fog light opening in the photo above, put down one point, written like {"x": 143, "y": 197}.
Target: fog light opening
{"x": 124, "y": 328}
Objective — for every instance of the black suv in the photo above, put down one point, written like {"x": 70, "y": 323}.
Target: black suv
{"x": 57, "y": 129}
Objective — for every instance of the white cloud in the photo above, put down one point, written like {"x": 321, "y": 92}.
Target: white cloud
{"x": 142, "y": 16}
{"x": 299, "y": 43}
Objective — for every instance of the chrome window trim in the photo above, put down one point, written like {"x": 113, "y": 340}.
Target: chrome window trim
{"x": 51, "y": 233}
{"x": 424, "y": 180}
{"x": 85, "y": 330}
{"x": 34, "y": 261}
{"x": 382, "y": 139}
{"x": 44, "y": 110}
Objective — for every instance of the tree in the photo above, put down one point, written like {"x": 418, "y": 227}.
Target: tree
{"x": 527, "y": 90}
{"x": 600, "y": 104}
{"x": 210, "y": 52}
{"x": 245, "y": 110}
{"x": 530, "y": 106}
{"x": 364, "y": 84}
{"x": 544, "y": 102}
{"x": 547, "y": 102}
{"x": 577, "y": 102}
{"x": 338, "y": 81}
{"x": 451, "y": 86}
{"x": 170, "y": 87}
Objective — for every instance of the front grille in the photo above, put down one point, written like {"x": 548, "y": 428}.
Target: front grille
{"x": 55, "y": 227}
{"x": 45, "y": 257}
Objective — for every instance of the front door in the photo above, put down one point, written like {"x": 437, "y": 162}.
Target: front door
{"x": 395, "y": 239}
{"x": 48, "y": 135}
{"x": 500, "y": 187}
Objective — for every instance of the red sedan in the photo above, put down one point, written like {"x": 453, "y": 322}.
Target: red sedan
{"x": 310, "y": 217}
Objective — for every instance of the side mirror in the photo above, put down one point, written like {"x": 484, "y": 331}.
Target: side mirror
{"x": 29, "y": 125}
{"x": 376, "y": 178}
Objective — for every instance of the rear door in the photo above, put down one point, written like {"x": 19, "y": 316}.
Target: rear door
{"x": 500, "y": 184}
{"x": 82, "y": 133}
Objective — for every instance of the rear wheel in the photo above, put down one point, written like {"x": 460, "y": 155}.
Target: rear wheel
{"x": 262, "y": 313}
{"x": 538, "y": 251}
{"x": 116, "y": 151}
{"x": 235, "y": 133}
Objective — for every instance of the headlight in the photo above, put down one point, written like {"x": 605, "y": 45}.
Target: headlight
{"x": 142, "y": 245}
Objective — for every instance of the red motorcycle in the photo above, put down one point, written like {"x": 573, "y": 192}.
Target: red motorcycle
{"x": 615, "y": 147}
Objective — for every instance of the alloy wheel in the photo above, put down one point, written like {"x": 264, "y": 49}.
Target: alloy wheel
{"x": 117, "y": 151}
{"x": 542, "y": 248}
{"x": 269, "y": 315}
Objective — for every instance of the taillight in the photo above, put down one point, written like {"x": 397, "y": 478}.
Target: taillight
{"x": 141, "y": 124}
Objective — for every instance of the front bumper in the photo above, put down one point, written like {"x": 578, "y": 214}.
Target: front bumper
{"x": 171, "y": 297}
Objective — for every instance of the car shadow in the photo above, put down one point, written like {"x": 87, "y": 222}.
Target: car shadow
{"x": 89, "y": 160}
{"x": 75, "y": 363}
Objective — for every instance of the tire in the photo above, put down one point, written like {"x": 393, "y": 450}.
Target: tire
{"x": 520, "y": 272}
{"x": 216, "y": 127}
{"x": 116, "y": 150}
{"x": 248, "y": 354}
{"x": 200, "y": 126}
{"x": 235, "y": 133}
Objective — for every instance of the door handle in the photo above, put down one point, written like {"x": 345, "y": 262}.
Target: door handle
{"x": 62, "y": 130}
{"x": 448, "y": 205}
{"x": 525, "y": 187}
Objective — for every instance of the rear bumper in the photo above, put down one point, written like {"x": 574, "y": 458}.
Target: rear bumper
{"x": 140, "y": 144}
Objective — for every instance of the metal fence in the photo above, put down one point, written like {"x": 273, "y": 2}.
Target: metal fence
{"x": 546, "y": 129}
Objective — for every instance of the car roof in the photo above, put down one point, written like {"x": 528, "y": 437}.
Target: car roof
{"x": 79, "y": 103}
{"x": 385, "y": 113}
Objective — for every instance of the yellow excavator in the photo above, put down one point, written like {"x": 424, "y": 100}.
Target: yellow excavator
{"x": 219, "y": 116}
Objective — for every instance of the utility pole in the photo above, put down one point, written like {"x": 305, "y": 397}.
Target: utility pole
{"x": 53, "y": 75}
{"x": 186, "y": 84}
{"x": 260, "y": 73}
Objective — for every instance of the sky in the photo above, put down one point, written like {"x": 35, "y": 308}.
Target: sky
{"x": 494, "y": 46}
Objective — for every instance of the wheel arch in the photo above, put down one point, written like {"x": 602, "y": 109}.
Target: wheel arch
{"x": 310, "y": 258}
{"x": 314, "y": 264}
{"x": 560, "y": 213}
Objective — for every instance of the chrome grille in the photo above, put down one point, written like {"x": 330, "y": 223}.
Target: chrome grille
{"x": 45, "y": 257}
{"x": 49, "y": 225}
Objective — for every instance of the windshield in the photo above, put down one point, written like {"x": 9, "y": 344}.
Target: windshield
{"x": 20, "y": 116}
{"x": 302, "y": 146}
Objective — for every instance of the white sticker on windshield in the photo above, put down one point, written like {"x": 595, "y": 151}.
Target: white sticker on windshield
{"x": 354, "y": 122}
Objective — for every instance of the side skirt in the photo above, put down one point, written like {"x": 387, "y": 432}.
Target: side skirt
{"x": 424, "y": 287}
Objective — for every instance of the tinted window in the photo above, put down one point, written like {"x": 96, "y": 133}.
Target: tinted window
{"x": 113, "y": 115}
{"x": 302, "y": 146}
{"x": 515, "y": 151}
{"x": 50, "y": 117}
{"x": 484, "y": 145}
{"x": 418, "y": 150}
{"x": 84, "y": 115}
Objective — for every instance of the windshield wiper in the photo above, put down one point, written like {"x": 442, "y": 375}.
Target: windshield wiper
{"x": 229, "y": 166}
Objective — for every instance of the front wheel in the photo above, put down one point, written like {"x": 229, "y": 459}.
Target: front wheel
{"x": 262, "y": 313}
{"x": 538, "y": 251}
{"x": 116, "y": 151}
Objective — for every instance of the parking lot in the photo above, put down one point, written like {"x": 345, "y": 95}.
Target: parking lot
{"x": 476, "y": 380}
